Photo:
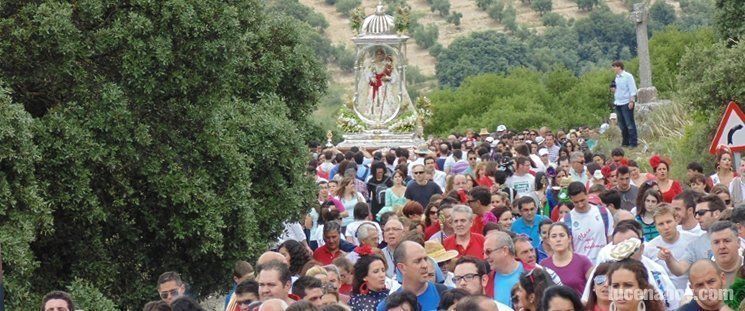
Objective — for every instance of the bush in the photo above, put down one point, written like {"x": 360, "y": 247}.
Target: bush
{"x": 509, "y": 18}
{"x": 346, "y": 6}
{"x": 541, "y": 6}
{"x": 426, "y": 36}
{"x": 436, "y": 49}
{"x": 483, "y": 4}
{"x": 496, "y": 10}
{"x": 661, "y": 14}
{"x": 587, "y": 5}
{"x": 454, "y": 18}
{"x": 299, "y": 11}
{"x": 88, "y": 297}
{"x": 345, "y": 58}
{"x": 330, "y": 2}
{"x": 552, "y": 19}
{"x": 443, "y": 6}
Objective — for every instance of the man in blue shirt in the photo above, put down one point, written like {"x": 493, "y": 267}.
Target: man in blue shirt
{"x": 411, "y": 260}
{"x": 499, "y": 251}
{"x": 529, "y": 223}
{"x": 624, "y": 94}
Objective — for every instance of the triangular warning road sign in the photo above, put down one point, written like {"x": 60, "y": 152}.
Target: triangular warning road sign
{"x": 731, "y": 130}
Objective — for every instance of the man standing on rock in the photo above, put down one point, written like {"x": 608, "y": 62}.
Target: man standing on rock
{"x": 624, "y": 95}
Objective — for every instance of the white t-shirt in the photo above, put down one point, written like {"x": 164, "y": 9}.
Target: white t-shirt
{"x": 522, "y": 184}
{"x": 697, "y": 231}
{"x": 588, "y": 231}
{"x": 678, "y": 248}
{"x": 540, "y": 167}
{"x": 293, "y": 231}
{"x": 351, "y": 231}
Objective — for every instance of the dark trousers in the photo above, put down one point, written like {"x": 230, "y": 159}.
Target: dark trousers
{"x": 627, "y": 124}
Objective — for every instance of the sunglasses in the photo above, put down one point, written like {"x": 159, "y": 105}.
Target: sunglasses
{"x": 599, "y": 279}
{"x": 433, "y": 212}
{"x": 419, "y": 172}
{"x": 701, "y": 212}
{"x": 171, "y": 293}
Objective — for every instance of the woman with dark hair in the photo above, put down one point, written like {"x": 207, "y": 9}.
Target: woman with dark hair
{"x": 430, "y": 217}
{"x": 669, "y": 188}
{"x": 402, "y": 301}
{"x": 157, "y": 305}
{"x": 504, "y": 217}
{"x": 571, "y": 267}
{"x": 626, "y": 279}
{"x": 186, "y": 304}
{"x": 450, "y": 298}
{"x": 560, "y": 298}
{"x": 645, "y": 209}
{"x": 725, "y": 172}
{"x": 296, "y": 254}
{"x": 348, "y": 195}
{"x": 377, "y": 185}
{"x": 394, "y": 196}
{"x": 368, "y": 286}
{"x": 599, "y": 300}
{"x": 530, "y": 288}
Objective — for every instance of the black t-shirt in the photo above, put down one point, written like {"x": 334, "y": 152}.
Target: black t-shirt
{"x": 691, "y": 306}
{"x": 422, "y": 194}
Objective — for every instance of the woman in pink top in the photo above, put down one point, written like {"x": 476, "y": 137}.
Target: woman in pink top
{"x": 571, "y": 267}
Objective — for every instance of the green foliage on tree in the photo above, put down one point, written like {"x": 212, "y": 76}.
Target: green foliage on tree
{"x": 344, "y": 58}
{"x": 605, "y": 36}
{"x": 730, "y": 20}
{"x": 483, "y": 4}
{"x": 454, "y": 18}
{"x": 522, "y": 98}
{"x": 26, "y": 214}
{"x": 441, "y": 6}
{"x": 661, "y": 14}
{"x": 426, "y": 35}
{"x": 170, "y": 133}
{"x": 587, "y": 5}
{"x": 299, "y": 11}
{"x": 710, "y": 77}
{"x": 467, "y": 56}
{"x": 344, "y": 7}
{"x": 88, "y": 297}
{"x": 696, "y": 14}
{"x": 496, "y": 10}
{"x": 509, "y": 18}
{"x": 552, "y": 19}
{"x": 666, "y": 49}
{"x": 541, "y": 6}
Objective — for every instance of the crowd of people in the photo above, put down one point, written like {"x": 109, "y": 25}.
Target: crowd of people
{"x": 532, "y": 220}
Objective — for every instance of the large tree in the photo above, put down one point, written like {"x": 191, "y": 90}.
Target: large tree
{"x": 171, "y": 135}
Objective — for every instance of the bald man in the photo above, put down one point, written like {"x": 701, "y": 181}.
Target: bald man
{"x": 274, "y": 305}
{"x": 269, "y": 256}
{"x": 708, "y": 285}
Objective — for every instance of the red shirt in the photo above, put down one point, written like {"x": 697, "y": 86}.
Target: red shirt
{"x": 324, "y": 256}
{"x": 477, "y": 226}
{"x": 431, "y": 230}
{"x": 474, "y": 248}
{"x": 674, "y": 190}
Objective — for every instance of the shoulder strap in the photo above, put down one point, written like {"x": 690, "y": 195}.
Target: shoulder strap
{"x": 606, "y": 222}
{"x": 568, "y": 221}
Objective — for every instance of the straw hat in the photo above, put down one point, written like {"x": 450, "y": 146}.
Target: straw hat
{"x": 484, "y": 132}
{"x": 436, "y": 251}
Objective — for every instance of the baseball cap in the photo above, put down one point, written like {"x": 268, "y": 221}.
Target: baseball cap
{"x": 501, "y": 128}
{"x": 542, "y": 152}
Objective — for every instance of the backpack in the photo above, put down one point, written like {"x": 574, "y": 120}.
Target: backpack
{"x": 604, "y": 215}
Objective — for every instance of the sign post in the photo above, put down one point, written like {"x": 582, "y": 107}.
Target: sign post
{"x": 731, "y": 132}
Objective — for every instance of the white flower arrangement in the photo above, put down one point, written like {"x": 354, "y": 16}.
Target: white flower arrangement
{"x": 406, "y": 124}
{"x": 348, "y": 121}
